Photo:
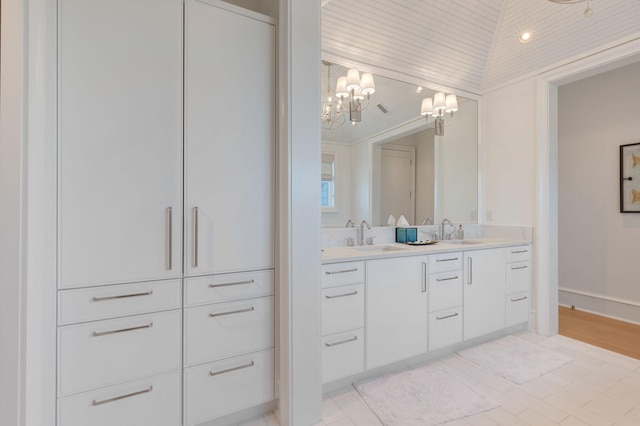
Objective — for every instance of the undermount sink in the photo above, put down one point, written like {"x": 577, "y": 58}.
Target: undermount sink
{"x": 379, "y": 248}
{"x": 461, "y": 242}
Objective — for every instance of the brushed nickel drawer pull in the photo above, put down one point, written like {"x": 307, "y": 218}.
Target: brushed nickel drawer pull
{"x": 344, "y": 271}
{"x": 519, "y": 267}
{"x": 169, "y": 238}
{"x": 118, "y": 398}
{"x": 232, "y": 312}
{"x": 122, "y": 296}
{"x": 195, "y": 237}
{"x": 447, "y": 279}
{"x": 424, "y": 277}
{"x": 228, "y": 370}
{"x": 447, "y": 259}
{"x": 122, "y": 330}
{"x": 519, "y": 299}
{"x": 519, "y": 251}
{"x": 455, "y": 314}
{"x": 342, "y": 342}
{"x": 353, "y": 293}
{"x": 470, "y": 279}
{"x": 234, "y": 283}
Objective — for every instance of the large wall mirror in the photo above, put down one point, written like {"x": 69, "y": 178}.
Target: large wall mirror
{"x": 392, "y": 162}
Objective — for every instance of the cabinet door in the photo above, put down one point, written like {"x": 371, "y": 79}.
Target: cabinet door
{"x": 230, "y": 141}
{"x": 484, "y": 292}
{"x": 396, "y": 324}
{"x": 120, "y": 141}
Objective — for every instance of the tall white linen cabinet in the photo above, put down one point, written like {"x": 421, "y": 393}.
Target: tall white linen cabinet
{"x": 166, "y": 201}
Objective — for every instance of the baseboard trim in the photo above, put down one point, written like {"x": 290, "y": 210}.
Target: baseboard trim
{"x": 605, "y": 306}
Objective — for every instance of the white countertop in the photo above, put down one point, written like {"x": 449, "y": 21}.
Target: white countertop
{"x": 345, "y": 254}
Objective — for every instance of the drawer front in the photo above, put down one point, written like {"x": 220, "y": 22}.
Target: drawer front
{"x": 224, "y": 330}
{"x": 445, "y": 328}
{"x": 342, "y": 308}
{"x": 336, "y": 274}
{"x": 153, "y": 401}
{"x": 518, "y": 253}
{"x": 444, "y": 262}
{"x": 104, "y": 353}
{"x": 445, "y": 290}
{"x": 342, "y": 355}
{"x": 518, "y": 277}
{"x": 98, "y": 303}
{"x": 227, "y": 287}
{"x": 220, "y": 388}
{"x": 517, "y": 306}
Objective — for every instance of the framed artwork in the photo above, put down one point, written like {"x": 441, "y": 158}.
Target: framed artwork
{"x": 630, "y": 178}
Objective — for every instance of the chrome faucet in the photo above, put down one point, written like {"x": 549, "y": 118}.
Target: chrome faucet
{"x": 444, "y": 221}
{"x": 361, "y": 233}
{"x": 427, "y": 221}
{"x": 349, "y": 224}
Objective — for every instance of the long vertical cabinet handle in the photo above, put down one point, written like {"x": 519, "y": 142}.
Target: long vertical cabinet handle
{"x": 195, "y": 237}
{"x": 424, "y": 277}
{"x": 169, "y": 238}
{"x": 470, "y": 278}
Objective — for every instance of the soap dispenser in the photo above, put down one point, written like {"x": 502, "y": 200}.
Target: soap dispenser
{"x": 460, "y": 233}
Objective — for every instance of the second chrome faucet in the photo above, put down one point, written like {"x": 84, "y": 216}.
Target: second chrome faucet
{"x": 361, "y": 233}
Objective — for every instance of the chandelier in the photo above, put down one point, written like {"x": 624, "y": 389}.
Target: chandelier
{"x": 436, "y": 108}
{"x": 351, "y": 96}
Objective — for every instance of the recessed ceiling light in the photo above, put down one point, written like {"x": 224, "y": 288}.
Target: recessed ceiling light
{"x": 525, "y": 37}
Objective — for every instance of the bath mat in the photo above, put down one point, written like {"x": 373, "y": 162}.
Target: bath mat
{"x": 424, "y": 396}
{"x": 517, "y": 360}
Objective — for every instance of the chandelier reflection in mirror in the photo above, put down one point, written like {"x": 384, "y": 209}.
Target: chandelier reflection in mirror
{"x": 436, "y": 108}
{"x": 351, "y": 97}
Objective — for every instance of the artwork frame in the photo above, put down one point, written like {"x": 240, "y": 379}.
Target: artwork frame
{"x": 630, "y": 178}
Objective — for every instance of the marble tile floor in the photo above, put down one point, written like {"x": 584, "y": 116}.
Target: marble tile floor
{"x": 598, "y": 387}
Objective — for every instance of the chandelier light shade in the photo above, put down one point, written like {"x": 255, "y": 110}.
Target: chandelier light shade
{"x": 436, "y": 107}
{"x": 352, "y": 95}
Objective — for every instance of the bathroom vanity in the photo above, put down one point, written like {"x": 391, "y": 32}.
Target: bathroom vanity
{"x": 391, "y": 302}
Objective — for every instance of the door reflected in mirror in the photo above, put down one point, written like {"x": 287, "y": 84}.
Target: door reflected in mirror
{"x": 391, "y": 163}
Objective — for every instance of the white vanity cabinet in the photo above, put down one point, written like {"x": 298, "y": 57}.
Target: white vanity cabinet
{"x": 445, "y": 299}
{"x": 120, "y": 141}
{"x": 343, "y": 307}
{"x": 518, "y": 284}
{"x": 230, "y": 108}
{"x": 397, "y": 305}
{"x": 484, "y": 292}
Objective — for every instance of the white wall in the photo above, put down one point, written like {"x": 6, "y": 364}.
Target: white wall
{"x": 598, "y": 245}
{"x": 509, "y": 154}
{"x": 338, "y": 216}
{"x": 361, "y": 157}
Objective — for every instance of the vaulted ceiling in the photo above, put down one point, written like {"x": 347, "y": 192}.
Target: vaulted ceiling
{"x": 472, "y": 45}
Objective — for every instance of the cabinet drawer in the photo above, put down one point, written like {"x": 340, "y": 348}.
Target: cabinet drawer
{"x": 220, "y": 388}
{"x": 445, "y": 328}
{"x": 153, "y": 401}
{"x": 226, "y": 287}
{"x": 518, "y": 277}
{"x": 104, "y": 353}
{"x": 342, "y": 355}
{"x": 444, "y": 262}
{"x": 517, "y": 306}
{"x": 342, "y": 308}
{"x": 224, "y": 330}
{"x": 518, "y": 253}
{"x": 445, "y": 290}
{"x": 112, "y": 301}
{"x": 342, "y": 273}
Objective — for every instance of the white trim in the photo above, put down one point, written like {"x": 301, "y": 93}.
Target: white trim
{"x": 601, "y": 297}
{"x": 220, "y": 4}
{"x": 546, "y": 235}
{"x": 601, "y": 314}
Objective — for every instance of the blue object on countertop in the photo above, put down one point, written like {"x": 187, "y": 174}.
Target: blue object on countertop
{"x": 406, "y": 235}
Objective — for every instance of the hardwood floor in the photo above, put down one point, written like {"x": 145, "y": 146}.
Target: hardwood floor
{"x": 618, "y": 336}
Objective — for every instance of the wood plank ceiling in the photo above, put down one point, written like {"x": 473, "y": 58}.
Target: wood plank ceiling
{"x": 471, "y": 45}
